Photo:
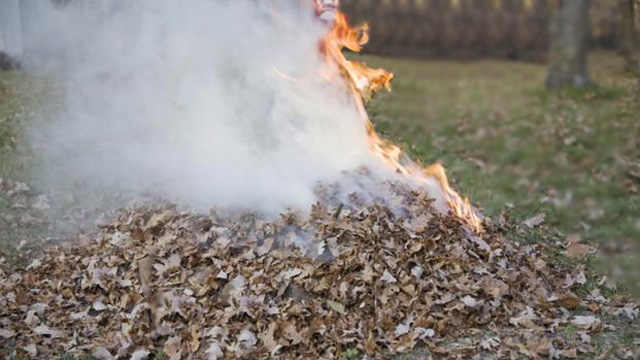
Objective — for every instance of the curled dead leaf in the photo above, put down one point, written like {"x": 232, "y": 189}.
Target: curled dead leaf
{"x": 534, "y": 221}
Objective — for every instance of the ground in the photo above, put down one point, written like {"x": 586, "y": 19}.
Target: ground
{"x": 516, "y": 150}
{"x": 513, "y": 147}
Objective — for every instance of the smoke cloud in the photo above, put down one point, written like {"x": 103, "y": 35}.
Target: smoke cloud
{"x": 205, "y": 103}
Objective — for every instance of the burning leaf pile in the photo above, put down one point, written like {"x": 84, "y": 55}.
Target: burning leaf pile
{"x": 363, "y": 83}
{"x": 375, "y": 279}
{"x": 357, "y": 274}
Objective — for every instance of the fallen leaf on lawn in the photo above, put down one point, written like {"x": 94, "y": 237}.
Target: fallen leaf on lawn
{"x": 585, "y": 321}
{"x": 102, "y": 353}
{"x": 404, "y": 327}
{"x": 291, "y": 333}
{"x": 47, "y": 331}
{"x": 388, "y": 278}
{"x": 482, "y": 245}
{"x": 423, "y": 333}
{"x": 570, "y": 353}
{"x": 194, "y": 343}
{"x": 534, "y": 221}
{"x": 569, "y": 302}
{"x": 417, "y": 271}
{"x": 490, "y": 343}
{"x": 574, "y": 239}
{"x": 173, "y": 348}
{"x": 7, "y": 333}
{"x": 159, "y": 219}
{"x": 99, "y": 306}
{"x": 524, "y": 319}
{"x": 375, "y": 273}
{"x": 470, "y": 301}
{"x": 446, "y": 298}
{"x": 172, "y": 263}
{"x": 248, "y": 338}
{"x": 370, "y": 345}
{"x": 268, "y": 339}
{"x": 34, "y": 264}
{"x": 145, "y": 273}
{"x": 630, "y": 311}
{"x": 336, "y": 306}
{"x": 214, "y": 352}
{"x": 578, "y": 251}
{"x": 290, "y": 273}
{"x": 31, "y": 349}
{"x": 140, "y": 354}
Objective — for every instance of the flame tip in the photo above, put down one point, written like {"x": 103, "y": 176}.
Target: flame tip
{"x": 364, "y": 83}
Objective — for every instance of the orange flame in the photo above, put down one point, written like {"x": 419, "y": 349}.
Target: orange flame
{"x": 363, "y": 83}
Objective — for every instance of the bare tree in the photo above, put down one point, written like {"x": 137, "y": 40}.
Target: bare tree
{"x": 629, "y": 34}
{"x": 570, "y": 32}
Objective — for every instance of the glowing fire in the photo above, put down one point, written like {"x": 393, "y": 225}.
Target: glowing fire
{"x": 364, "y": 82}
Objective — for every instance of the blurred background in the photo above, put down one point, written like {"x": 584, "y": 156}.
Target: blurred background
{"x": 472, "y": 29}
{"x": 531, "y": 105}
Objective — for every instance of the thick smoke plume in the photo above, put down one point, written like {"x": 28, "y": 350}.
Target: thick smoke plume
{"x": 205, "y": 103}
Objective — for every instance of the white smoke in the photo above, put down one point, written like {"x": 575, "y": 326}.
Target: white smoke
{"x": 202, "y": 102}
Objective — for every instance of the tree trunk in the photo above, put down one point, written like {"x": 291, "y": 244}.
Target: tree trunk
{"x": 630, "y": 42}
{"x": 569, "y": 45}
{"x": 628, "y": 32}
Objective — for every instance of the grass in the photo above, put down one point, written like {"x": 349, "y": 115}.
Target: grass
{"x": 13, "y": 163}
{"x": 506, "y": 142}
{"x": 22, "y": 99}
{"x": 515, "y": 149}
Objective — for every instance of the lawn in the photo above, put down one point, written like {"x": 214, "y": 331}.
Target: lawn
{"x": 20, "y": 95}
{"x": 507, "y": 143}
{"x": 515, "y": 149}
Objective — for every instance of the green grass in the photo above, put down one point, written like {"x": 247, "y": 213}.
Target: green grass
{"x": 22, "y": 97}
{"x": 512, "y": 146}
{"x": 508, "y": 144}
{"x": 13, "y": 163}
{"x": 505, "y": 140}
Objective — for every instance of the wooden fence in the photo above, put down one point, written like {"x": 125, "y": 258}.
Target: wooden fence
{"x": 470, "y": 28}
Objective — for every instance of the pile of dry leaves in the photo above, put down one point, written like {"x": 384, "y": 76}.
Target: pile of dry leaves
{"x": 371, "y": 279}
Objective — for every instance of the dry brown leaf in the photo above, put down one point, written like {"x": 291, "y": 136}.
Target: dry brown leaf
{"x": 214, "y": 352}
{"x": 102, "y": 353}
{"x": 363, "y": 290}
{"x": 47, "y": 331}
{"x": 569, "y": 301}
{"x": 268, "y": 339}
{"x": 534, "y": 221}
{"x": 31, "y": 349}
{"x": 578, "y": 251}
{"x": 173, "y": 348}
{"x": 140, "y": 354}
{"x": 388, "y": 278}
{"x": 7, "y": 333}
{"x": 570, "y": 353}
{"x": 585, "y": 321}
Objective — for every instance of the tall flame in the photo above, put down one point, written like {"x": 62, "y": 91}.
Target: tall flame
{"x": 363, "y": 83}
